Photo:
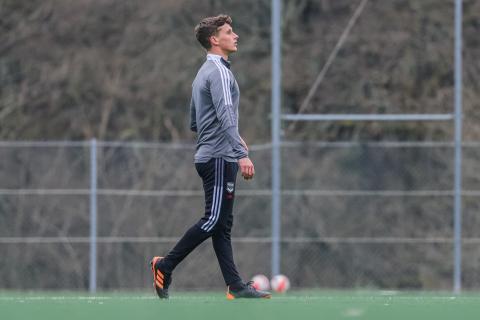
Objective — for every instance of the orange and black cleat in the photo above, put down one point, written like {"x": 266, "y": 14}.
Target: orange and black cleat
{"x": 248, "y": 291}
{"x": 161, "y": 281}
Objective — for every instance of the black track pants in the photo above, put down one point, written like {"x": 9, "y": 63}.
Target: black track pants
{"x": 219, "y": 178}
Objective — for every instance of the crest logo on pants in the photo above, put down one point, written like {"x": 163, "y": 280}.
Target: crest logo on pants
{"x": 230, "y": 187}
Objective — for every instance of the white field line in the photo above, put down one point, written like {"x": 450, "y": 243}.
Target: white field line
{"x": 219, "y": 296}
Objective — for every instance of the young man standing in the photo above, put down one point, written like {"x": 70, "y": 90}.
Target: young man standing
{"x": 219, "y": 154}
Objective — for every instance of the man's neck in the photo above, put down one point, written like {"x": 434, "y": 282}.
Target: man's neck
{"x": 218, "y": 52}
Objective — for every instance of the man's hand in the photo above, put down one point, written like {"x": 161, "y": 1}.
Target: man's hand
{"x": 246, "y": 167}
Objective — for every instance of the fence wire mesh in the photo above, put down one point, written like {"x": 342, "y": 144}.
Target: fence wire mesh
{"x": 353, "y": 215}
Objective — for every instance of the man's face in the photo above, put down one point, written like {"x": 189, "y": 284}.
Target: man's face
{"x": 226, "y": 39}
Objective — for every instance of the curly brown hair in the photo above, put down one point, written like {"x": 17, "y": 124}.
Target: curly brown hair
{"x": 209, "y": 27}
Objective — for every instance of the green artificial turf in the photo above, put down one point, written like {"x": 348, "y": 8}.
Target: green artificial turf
{"x": 213, "y": 305}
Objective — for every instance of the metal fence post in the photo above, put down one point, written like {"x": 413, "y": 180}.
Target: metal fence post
{"x": 276, "y": 126}
{"x": 457, "y": 272}
{"x": 93, "y": 216}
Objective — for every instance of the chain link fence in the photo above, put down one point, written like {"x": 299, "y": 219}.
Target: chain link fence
{"x": 362, "y": 215}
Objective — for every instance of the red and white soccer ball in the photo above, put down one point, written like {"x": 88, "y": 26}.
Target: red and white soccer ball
{"x": 280, "y": 283}
{"x": 260, "y": 282}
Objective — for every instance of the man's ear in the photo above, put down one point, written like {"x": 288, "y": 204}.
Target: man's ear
{"x": 213, "y": 40}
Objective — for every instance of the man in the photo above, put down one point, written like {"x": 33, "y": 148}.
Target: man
{"x": 220, "y": 152}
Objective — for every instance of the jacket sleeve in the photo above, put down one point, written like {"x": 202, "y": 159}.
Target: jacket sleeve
{"x": 222, "y": 101}
{"x": 193, "y": 116}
